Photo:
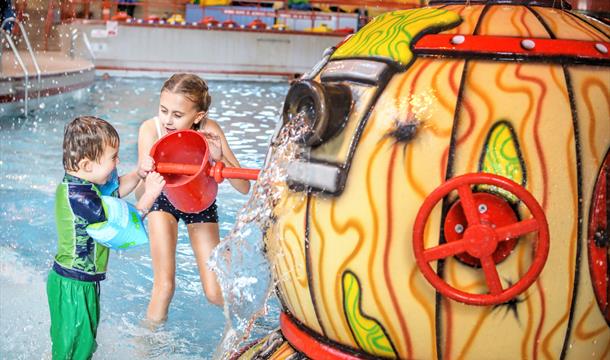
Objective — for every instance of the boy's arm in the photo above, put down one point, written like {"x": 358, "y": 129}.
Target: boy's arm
{"x": 128, "y": 182}
{"x": 146, "y": 164}
{"x": 154, "y": 186}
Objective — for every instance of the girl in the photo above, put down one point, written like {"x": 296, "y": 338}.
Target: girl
{"x": 183, "y": 104}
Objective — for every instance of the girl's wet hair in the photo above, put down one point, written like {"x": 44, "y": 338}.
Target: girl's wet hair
{"x": 193, "y": 88}
{"x": 86, "y": 137}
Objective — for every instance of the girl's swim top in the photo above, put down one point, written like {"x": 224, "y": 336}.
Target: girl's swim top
{"x": 78, "y": 204}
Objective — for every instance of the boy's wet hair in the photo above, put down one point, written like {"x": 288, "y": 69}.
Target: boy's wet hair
{"x": 193, "y": 88}
{"x": 86, "y": 137}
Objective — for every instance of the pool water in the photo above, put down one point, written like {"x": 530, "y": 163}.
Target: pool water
{"x": 30, "y": 169}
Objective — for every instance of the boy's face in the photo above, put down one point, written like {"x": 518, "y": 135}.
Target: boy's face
{"x": 101, "y": 169}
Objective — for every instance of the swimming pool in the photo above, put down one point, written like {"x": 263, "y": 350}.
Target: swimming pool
{"x": 31, "y": 167}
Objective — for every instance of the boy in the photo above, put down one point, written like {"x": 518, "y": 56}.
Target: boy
{"x": 90, "y": 157}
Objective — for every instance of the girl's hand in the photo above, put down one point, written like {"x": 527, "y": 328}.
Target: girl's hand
{"x": 146, "y": 166}
{"x": 153, "y": 187}
{"x": 214, "y": 146}
{"x": 154, "y": 184}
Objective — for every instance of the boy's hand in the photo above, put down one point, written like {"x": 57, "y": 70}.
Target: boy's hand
{"x": 146, "y": 166}
{"x": 154, "y": 183}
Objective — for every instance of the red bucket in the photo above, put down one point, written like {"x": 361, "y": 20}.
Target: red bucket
{"x": 188, "y": 193}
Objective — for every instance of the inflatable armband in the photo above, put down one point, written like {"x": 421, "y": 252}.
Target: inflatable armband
{"x": 111, "y": 185}
{"x": 123, "y": 228}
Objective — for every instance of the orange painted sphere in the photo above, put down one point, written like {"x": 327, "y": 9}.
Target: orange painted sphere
{"x": 418, "y": 98}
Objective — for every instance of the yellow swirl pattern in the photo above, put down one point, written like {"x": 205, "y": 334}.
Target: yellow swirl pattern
{"x": 368, "y": 333}
{"x": 390, "y": 35}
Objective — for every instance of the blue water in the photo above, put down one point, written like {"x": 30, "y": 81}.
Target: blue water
{"x": 31, "y": 167}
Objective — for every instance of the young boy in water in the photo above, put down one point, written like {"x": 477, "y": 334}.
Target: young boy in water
{"x": 90, "y": 157}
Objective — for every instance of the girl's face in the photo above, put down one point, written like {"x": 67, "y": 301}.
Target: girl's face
{"x": 177, "y": 112}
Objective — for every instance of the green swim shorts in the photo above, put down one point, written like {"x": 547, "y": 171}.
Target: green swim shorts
{"x": 75, "y": 312}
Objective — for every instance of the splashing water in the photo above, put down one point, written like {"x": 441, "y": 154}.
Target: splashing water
{"x": 242, "y": 251}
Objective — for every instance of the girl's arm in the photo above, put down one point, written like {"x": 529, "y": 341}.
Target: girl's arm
{"x": 227, "y": 157}
{"x": 146, "y": 139}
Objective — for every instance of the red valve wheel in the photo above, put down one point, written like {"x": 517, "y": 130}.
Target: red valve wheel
{"x": 494, "y": 211}
{"x": 481, "y": 239}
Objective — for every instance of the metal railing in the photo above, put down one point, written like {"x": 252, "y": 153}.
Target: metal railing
{"x": 75, "y": 33}
{"x": 26, "y": 75}
{"x": 88, "y": 45}
{"x": 13, "y": 47}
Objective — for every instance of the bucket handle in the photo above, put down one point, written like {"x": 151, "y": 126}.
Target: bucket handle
{"x": 219, "y": 172}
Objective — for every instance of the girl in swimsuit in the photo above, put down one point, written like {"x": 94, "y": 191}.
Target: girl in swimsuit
{"x": 183, "y": 104}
